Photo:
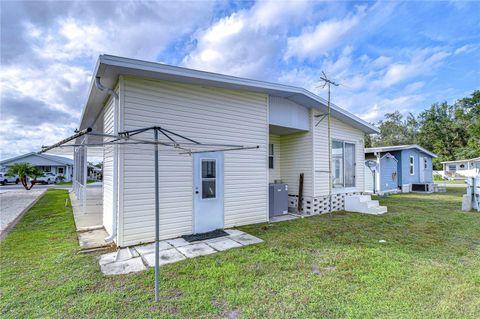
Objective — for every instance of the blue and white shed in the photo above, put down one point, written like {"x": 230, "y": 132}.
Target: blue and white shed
{"x": 414, "y": 168}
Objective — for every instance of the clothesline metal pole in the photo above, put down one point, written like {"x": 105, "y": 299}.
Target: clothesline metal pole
{"x": 157, "y": 220}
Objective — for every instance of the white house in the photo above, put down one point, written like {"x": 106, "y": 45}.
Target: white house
{"x": 47, "y": 163}
{"x": 451, "y": 168}
{"x": 208, "y": 191}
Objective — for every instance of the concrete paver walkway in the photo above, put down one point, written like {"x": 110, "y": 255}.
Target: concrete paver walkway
{"x": 139, "y": 258}
{"x": 89, "y": 219}
{"x": 13, "y": 204}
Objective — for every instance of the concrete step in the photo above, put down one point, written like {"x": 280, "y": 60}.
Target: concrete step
{"x": 373, "y": 203}
{"x": 379, "y": 210}
{"x": 364, "y": 204}
{"x": 125, "y": 254}
{"x": 364, "y": 198}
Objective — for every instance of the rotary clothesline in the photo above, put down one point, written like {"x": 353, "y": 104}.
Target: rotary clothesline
{"x": 82, "y": 140}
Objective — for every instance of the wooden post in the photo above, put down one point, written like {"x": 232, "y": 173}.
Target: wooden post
{"x": 300, "y": 194}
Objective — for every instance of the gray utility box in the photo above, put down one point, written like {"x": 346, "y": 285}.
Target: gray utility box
{"x": 278, "y": 199}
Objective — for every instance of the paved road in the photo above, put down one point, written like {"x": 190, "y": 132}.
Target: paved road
{"x": 10, "y": 187}
{"x": 12, "y": 206}
{"x": 15, "y": 201}
{"x": 453, "y": 185}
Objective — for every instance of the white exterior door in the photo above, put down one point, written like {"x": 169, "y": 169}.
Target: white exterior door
{"x": 369, "y": 177}
{"x": 207, "y": 191}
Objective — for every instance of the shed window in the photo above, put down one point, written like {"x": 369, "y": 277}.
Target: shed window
{"x": 452, "y": 168}
{"x": 462, "y": 166}
{"x": 343, "y": 164}
{"x": 412, "y": 165}
{"x": 271, "y": 156}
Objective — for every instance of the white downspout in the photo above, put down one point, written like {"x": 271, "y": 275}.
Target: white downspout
{"x": 110, "y": 91}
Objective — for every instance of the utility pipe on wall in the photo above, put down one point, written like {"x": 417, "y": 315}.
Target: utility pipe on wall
{"x": 112, "y": 93}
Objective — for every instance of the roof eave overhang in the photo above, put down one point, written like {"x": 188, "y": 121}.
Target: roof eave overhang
{"x": 399, "y": 148}
{"x": 109, "y": 68}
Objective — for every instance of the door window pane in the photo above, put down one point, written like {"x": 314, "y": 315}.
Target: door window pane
{"x": 337, "y": 164}
{"x": 349, "y": 165}
{"x": 208, "y": 188}
{"x": 208, "y": 168}
{"x": 209, "y": 182}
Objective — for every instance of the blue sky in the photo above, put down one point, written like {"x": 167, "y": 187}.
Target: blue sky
{"x": 387, "y": 55}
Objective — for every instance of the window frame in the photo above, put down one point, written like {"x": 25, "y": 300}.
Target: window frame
{"x": 343, "y": 164}
{"x": 271, "y": 147}
{"x": 208, "y": 178}
{"x": 411, "y": 164}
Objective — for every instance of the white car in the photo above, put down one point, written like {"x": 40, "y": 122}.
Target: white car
{"x": 47, "y": 178}
{"x": 4, "y": 179}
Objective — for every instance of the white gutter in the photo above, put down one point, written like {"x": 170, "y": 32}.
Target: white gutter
{"x": 110, "y": 91}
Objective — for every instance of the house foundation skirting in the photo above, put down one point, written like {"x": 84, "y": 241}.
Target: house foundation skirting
{"x": 319, "y": 204}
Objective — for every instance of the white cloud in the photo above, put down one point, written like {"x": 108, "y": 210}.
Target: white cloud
{"x": 325, "y": 36}
{"x": 371, "y": 115}
{"x": 466, "y": 49}
{"x": 248, "y": 42}
{"x": 419, "y": 62}
{"x": 51, "y": 49}
{"x": 57, "y": 85}
{"x": 415, "y": 86}
{"x": 371, "y": 86}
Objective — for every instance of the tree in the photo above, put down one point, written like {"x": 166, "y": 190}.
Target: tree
{"x": 394, "y": 130}
{"x": 468, "y": 114}
{"x": 452, "y": 131}
{"x": 24, "y": 171}
{"x": 368, "y": 141}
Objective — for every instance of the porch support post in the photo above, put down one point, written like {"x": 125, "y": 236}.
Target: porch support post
{"x": 157, "y": 220}
{"x": 85, "y": 171}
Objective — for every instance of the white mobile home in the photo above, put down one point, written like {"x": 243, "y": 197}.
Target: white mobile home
{"x": 453, "y": 168}
{"x": 207, "y": 191}
{"x": 59, "y": 165}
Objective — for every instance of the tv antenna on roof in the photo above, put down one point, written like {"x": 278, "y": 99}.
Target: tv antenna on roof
{"x": 328, "y": 83}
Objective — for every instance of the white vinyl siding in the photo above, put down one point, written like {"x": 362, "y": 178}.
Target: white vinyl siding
{"x": 275, "y": 173}
{"x": 208, "y": 115}
{"x": 296, "y": 157}
{"x": 342, "y": 132}
{"x": 108, "y": 123}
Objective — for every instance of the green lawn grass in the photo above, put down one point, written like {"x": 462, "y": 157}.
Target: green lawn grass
{"x": 318, "y": 267}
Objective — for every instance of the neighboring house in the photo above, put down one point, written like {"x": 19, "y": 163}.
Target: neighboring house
{"x": 403, "y": 167}
{"x": 47, "y": 163}
{"x": 94, "y": 173}
{"x": 210, "y": 191}
{"x": 452, "y": 168}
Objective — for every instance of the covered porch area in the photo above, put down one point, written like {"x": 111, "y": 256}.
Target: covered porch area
{"x": 87, "y": 202}
{"x": 289, "y": 167}
{"x": 88, "y": 216}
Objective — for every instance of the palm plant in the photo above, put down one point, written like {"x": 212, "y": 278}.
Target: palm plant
{"x": 24, "y": 171}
